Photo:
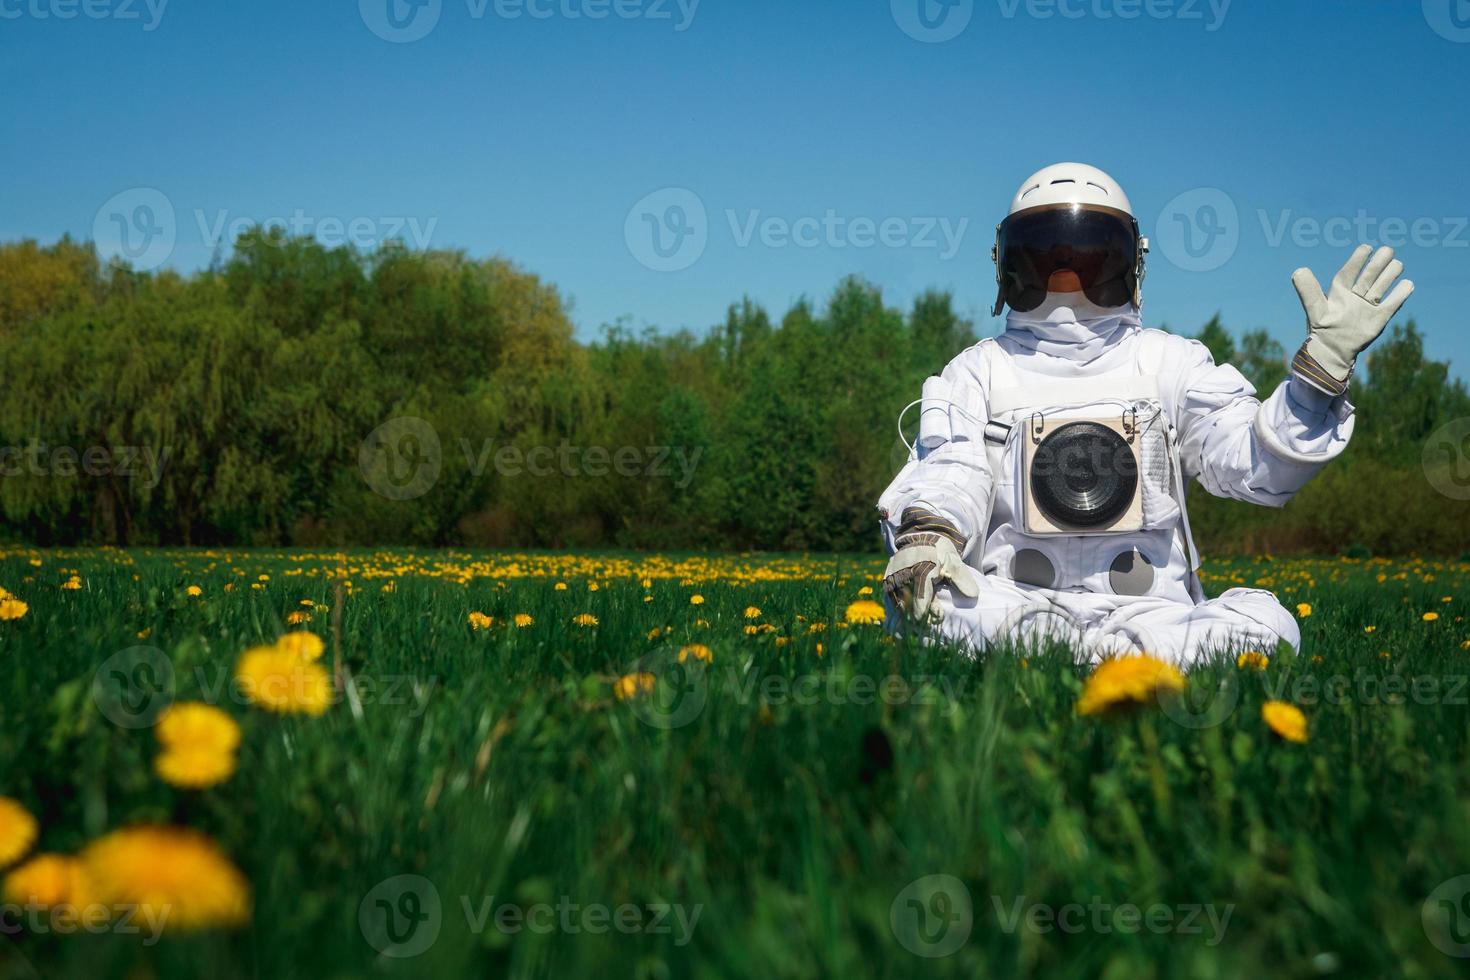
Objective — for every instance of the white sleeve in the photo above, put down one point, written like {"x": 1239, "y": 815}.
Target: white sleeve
{"x": 947, "y": 471}
{"x": 1261, "y": 452}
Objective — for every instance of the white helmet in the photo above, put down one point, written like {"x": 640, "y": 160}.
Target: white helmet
{"x": 1073, "y": 217}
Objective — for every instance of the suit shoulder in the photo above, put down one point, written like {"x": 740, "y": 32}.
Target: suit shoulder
{"x": 1172, "y": 345}
{"x": 971, "y": 356}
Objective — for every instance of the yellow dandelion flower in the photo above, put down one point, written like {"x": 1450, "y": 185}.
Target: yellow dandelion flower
{"x": 1304, "y": 609}
{"x": 72, "y": 584}
{"x": 1127, "y": 681}
{"x": 655, "y": 633}
{"x": 593, "y": 586}
{"x": 560, "y": 586}
{"x": 143, "y": 634}
{"x": 1430, "y": 617}
{"x": 816, "y": 627}
{"x": 18, "y": 831}
{"x": 1286, "y": 720}
{"x": 307, "y": 646}
{"x": 866, "y": 590}
{"x": 307, "y": 603}
{"x": 524, "y": 620}
{"x": 698, "y": 651}
{"x": 696, "y": 599}
{"x": 702, "y": 623}
{"x": 297, "y": 616}
{"x": 1370, "y": 629}
{"x": 585, "y": 619}
{"x": 1252, "y": 660}
{"x": 48, "y": 880}
{"x": 194, "y": 768}
{"x": 194, "y": 592}
{"x": 168, "y": 874}
{"x": 821, "y": 649}
{"x": 781, "y": 641}
{"x": 648, "y": 598}
{"x": 752, "y": 612}
{"x": 280, "y": 681}
{"x": 631, "y": 685}
{"x": 12, "y": 609}
{"x": 196, "y": 725}
{"x": 751, "y": 630}
{"x": 480, "y": 621}
{"x": 865, "y": 612}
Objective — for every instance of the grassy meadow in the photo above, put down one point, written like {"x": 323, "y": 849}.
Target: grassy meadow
{"x": 651, "y": 766}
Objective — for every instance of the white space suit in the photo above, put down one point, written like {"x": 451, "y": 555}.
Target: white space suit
{"x": 1128, "y": 584}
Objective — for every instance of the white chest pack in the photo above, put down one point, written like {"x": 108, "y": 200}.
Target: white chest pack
{"x": 1088, "y": 456}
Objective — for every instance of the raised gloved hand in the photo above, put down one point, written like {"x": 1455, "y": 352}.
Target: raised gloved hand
{"x": 928, "y": 554}
{"x": 1351, "y": 316}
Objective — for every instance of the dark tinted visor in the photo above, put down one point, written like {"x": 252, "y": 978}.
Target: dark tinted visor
{"x": 1099, "y": 244}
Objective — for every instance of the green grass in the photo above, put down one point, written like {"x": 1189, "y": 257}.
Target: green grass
{"x": 790, "y": 806}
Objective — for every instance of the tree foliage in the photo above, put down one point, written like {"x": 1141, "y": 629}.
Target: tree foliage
{"x": 236, "y": 405}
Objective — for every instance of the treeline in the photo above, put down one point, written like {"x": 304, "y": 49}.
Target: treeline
{"x": 296, "y": 394}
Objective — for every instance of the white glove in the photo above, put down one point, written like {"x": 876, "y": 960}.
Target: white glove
{"x": 926, "y": 556}
{"x": 1351, "y": 316}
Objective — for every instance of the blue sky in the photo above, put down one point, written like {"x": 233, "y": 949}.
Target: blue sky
{"x": 773, "y": 146}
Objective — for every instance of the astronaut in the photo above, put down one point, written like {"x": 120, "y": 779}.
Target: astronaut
{"x": 1043, "y": 498}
